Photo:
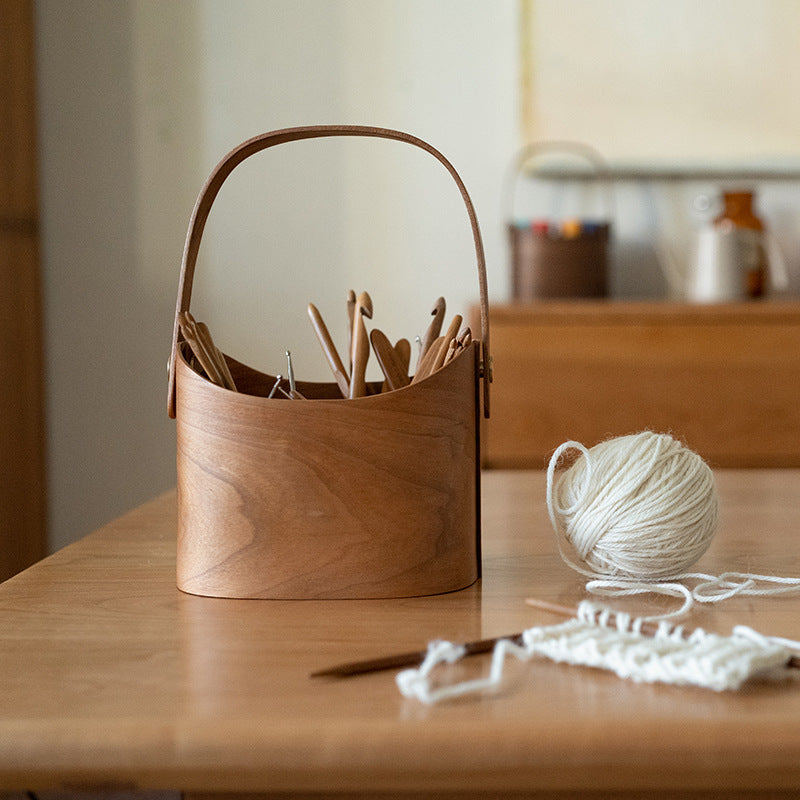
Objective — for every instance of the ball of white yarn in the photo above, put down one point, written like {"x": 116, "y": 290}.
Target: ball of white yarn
{"x": 640, "y": 506}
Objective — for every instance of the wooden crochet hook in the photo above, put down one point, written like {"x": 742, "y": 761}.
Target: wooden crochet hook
{"x": 351, "y": 318}
{"x": 449, "y": 337}
{"x": 219, "y": 359}
{"x": 328, "y": 347}
{"x": 427, "y": 361}
{"x": 411, "y": 659}
{"x": 200, "y": 348}
{"x": 434, "y": 329}
{"x": 402, "y": 349}
{"x": 390, "y": 360}
{"x": 360, "y": 351}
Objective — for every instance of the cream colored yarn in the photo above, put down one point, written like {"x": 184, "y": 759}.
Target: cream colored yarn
{"x": 638, "y": 512}
{"x": 701, "y": 659}
{"x": 642, "y": 506}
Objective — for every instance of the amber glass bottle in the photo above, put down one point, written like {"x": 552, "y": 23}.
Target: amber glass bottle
{"x": 738, "y": 214}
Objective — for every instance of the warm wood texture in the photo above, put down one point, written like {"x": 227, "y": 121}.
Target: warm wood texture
{"x": 724, "y": 379}
{"x": 371, "y": 497}
{"x": 112, "y": 677}
{"x": 22, "y": 490}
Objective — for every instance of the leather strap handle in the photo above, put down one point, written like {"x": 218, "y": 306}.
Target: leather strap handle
{"x": 258, "y": 143}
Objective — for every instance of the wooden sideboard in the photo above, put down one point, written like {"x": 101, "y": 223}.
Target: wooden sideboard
{"x": 725, "y": 379}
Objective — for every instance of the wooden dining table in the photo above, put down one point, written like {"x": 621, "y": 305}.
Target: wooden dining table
{"x": 111, "y": 678}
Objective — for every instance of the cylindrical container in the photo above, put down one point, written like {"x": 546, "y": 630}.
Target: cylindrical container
{"x": 553, "y": 266}
{"x": 739, "y": 219}
{"x": 559, "y": 258}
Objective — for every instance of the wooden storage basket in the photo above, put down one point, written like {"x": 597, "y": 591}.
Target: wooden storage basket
{"x": 545, "y": 266}
{"x": 372, "y": 497}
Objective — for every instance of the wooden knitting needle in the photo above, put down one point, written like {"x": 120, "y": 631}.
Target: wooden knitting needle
{"x": 411, "y": 659}
{"x": 328, "y": 347}
{"x": 216, "y": 353}
{"x": 400, "y": 660}
{"x": 458, "y": 345}
{"x": 351, "y": 318}
{"x": 188, "y": 326}
{"x": 360, "y": 351}
{"x": 453, "y": 328}
{"x": 450, "y": 354}
{"x": 449, "y": 336}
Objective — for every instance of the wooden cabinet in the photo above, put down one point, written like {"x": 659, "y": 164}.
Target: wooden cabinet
{"x": 724, "y": 379}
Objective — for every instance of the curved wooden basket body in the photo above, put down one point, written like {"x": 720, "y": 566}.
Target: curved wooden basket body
{"x": 373, "y": 497}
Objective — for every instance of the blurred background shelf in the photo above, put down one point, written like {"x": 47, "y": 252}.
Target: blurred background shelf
{"x": 700, "y": 171}
{"x": 725, "y": 379}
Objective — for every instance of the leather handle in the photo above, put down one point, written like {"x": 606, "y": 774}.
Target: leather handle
{"x": 258, "y": 143}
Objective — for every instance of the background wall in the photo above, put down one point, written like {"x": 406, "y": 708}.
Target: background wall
{"x": 139, "y": 99}
{"x": 646, "y": 80}
{"x": 668, "y": 87}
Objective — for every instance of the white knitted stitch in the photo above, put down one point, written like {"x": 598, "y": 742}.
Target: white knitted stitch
{"x": 703, "y": 659}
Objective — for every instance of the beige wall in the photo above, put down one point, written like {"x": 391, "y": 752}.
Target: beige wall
{"x": 139, "y": 99}
{"x": 667, "y": 82}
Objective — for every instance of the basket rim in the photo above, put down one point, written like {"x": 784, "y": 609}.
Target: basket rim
{"x": 183, "y": 366}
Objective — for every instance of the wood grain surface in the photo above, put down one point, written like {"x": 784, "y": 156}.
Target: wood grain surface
{"x": 374, "y": 496}
{"x": 724, "y": 379}
{"x": 112, "y": 677}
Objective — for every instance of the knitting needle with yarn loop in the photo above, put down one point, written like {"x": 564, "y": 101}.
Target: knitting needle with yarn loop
{"x": 477, "y": 647}
{"x": 405, "y": 659}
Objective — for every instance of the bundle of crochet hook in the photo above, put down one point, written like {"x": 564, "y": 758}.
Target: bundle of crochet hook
{"x": 435, "y": 350}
